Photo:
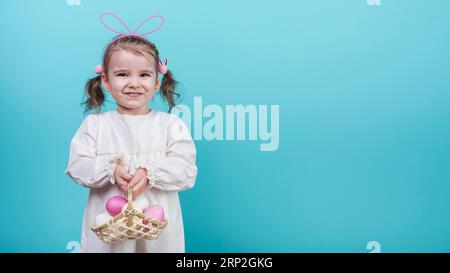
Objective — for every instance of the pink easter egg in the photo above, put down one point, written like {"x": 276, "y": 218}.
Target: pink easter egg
{"x": 156, "y": 212}
{"x": 115, "y": 204}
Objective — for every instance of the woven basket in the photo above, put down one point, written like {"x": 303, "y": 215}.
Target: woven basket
{"x": 129, "y": 225}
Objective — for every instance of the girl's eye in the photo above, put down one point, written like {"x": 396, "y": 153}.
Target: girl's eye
{"x": 121, "y": 75}
{"x": 145, "y": 75}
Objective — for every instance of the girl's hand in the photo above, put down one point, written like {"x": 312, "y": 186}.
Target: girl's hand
{"x": 139, "y": 182}
{"x": 122, "y": 178}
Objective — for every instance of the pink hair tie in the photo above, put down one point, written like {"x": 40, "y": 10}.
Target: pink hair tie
{"x": 162, "y": 68}
{"x": 98, "y": 69}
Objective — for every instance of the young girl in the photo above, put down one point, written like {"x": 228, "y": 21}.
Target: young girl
{"x": 133, "y": 146}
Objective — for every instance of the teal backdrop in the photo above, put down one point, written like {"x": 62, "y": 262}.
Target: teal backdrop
{"x": 364, "y": 136}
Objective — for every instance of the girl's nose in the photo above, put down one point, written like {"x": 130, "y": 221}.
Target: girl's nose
{"x": 134, "y": 82}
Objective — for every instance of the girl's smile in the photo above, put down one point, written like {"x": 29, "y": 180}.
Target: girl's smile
{"x": 133, "y": 95}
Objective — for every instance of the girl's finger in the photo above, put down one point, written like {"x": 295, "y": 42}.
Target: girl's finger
{"x": 139, "y": 187}
{"x": 127, "y": 176}
{"x": 136, "y": 179}
{"x": 123, "y": 185}
{"x": 123, "y": 173}
{"x": 120, "y": 181}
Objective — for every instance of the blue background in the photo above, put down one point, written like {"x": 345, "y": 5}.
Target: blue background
{"x": 364, "y": 97}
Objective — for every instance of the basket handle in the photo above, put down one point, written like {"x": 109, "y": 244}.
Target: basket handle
{"x": 129, "y": 221}
{"x": 130, "y": 197}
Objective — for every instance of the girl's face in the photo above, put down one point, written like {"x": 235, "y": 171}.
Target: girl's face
{"x": 132, "y": 81}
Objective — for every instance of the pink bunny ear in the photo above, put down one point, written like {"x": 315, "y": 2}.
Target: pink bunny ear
{"x": 117, "y": 17}
{"x": 153, "y": 30}
{"x": 134, "y": 33}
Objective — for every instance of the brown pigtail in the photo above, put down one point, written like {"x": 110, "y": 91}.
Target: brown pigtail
{"x": 168, "y": 86}
{"x": 94, "y": 93}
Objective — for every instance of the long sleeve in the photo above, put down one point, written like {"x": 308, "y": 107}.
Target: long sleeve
{"x": 84, "y": 166}
{"x": 176, "y": 171}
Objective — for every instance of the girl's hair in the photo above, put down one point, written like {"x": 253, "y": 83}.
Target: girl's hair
{"x": 138, "y": 46}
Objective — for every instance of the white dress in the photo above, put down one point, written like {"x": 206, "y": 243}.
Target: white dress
{"x": 159, "y": 142}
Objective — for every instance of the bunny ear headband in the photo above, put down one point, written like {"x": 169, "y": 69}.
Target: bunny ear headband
{"x": 162, "y": 67}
